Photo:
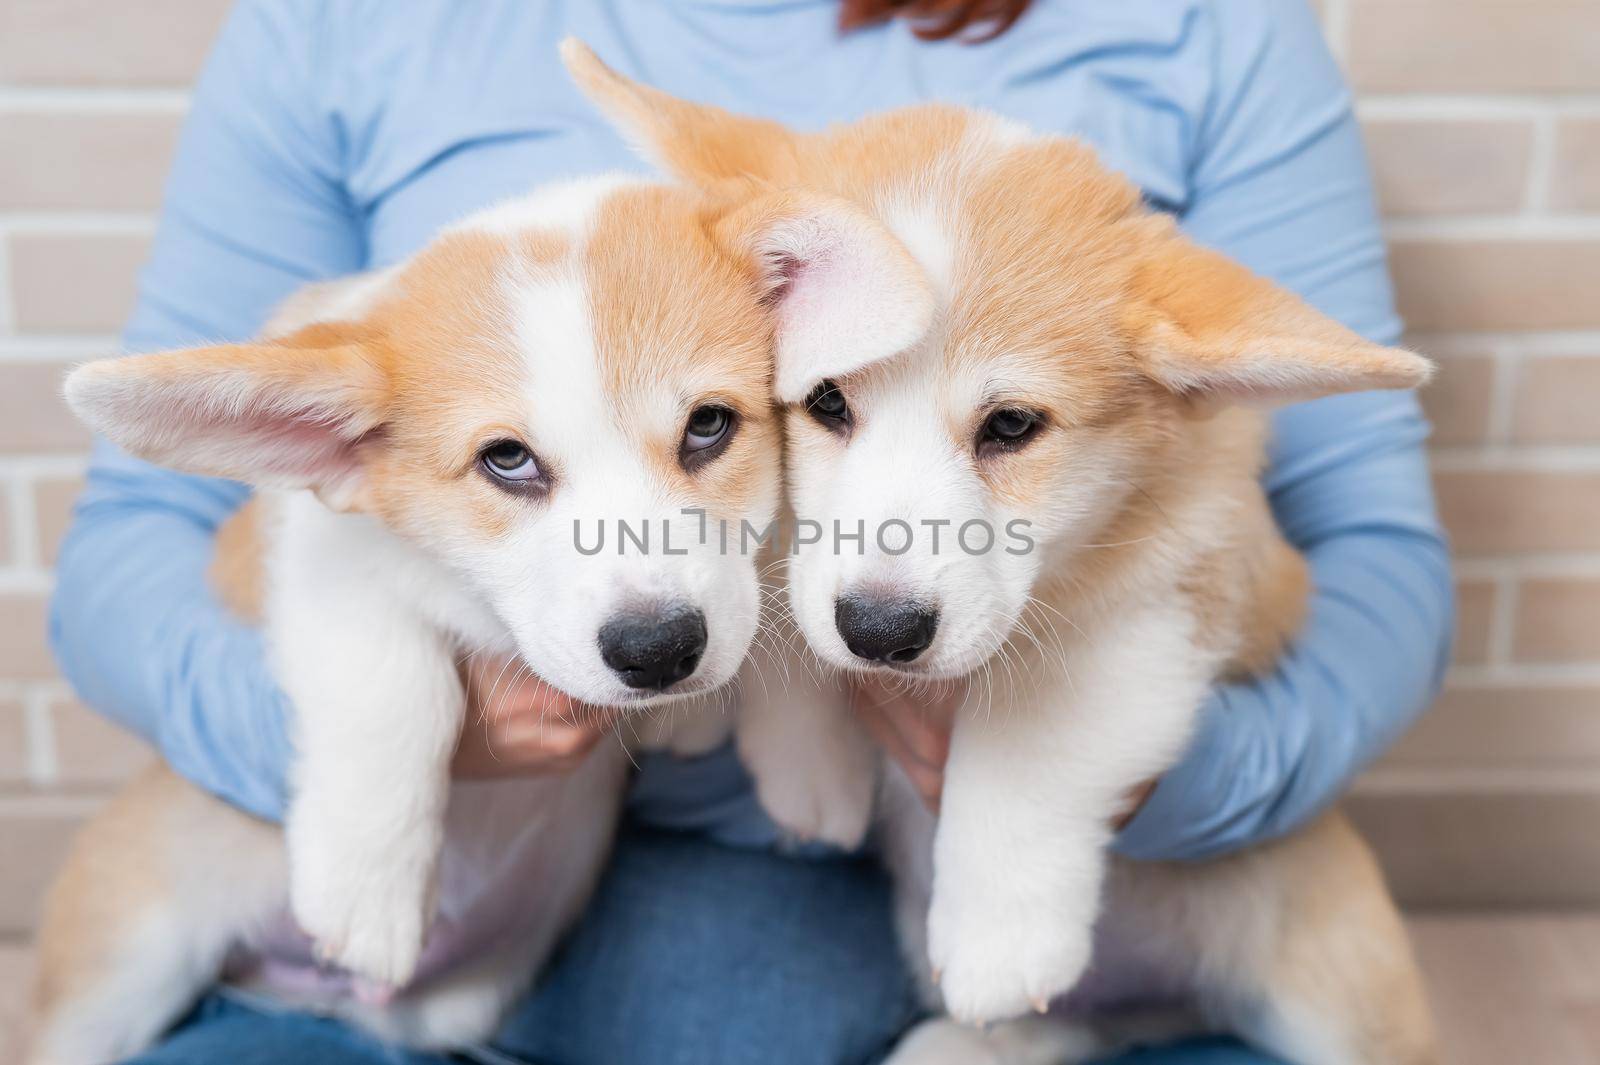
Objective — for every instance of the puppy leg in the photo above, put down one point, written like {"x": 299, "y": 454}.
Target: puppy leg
{"x": 815, "y": 768}
{"x": 378, "y": 707}
{"x": 576, "y": 814}
{"x": 158, "y": 888}
{"x": 1031, "y": 789}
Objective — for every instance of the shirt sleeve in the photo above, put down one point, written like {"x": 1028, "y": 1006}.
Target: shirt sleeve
{"x": 253, "y": 208}
{"x": 1281, "y": 183}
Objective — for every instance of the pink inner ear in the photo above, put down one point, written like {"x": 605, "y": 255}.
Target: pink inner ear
{"x": 786, "y": 271}
{"x": 846, "y": 293}
{"x": 835, "y": 304}
{"x": 305, "y": 448}
{"x": 269, "y": 447}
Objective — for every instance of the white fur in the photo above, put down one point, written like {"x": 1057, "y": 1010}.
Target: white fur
{"x": 901, "y": 427}
{"x": 1068, "y": 722}
{"x": 920, "y": 225}
{"x": 353, "y": 642}
{"x": 998, "y": 898}
{"x": 364, "y": 630}
{"x": 815, "y": 772}
{"x": 1029, "y": 795}
{"x": 553, "y": 600}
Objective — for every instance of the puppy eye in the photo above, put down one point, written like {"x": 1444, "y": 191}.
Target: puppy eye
{"x": 826, "y": 404}
{"x": 510, "y": 463}
{"x": 1007, "y": 429}
{"x": 707, "y": 434}
{"x": 707, "y": 427}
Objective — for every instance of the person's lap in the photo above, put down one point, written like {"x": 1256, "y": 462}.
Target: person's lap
{"x": 691, "y": 952}
{"x": 222, "y": 1032}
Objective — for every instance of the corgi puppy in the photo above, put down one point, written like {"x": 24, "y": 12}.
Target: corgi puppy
{"x": 1080, "y": 417}
{"x": 437, "y": 448}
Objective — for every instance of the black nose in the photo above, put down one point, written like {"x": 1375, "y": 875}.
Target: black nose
{"x": 651, "y": 649}
{"x": 884, "y": 630}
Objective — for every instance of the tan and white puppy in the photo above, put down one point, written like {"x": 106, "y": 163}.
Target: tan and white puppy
{"x": 1079, "y": 420}
{"x": 437, "y": 449}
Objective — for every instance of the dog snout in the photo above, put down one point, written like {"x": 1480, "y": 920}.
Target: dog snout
{"x": 654, "y": 649}
{"x": 895, "y": 631}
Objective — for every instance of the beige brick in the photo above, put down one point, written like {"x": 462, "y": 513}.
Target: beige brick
{"x": 106, "y": 162}
{"x": 1457, "y": 400}
{"x": 24, "y": 640}
{"x": 1557, "y": 621}
{"x": 1500, "y": 511}
{"x": 52, "y": 503}
{"x": 92, "y": 751}
{"x": 1555, "y": 402}
{"x": 16, "y": 986}
{"x": 1449, "y": 167}
{"x": 1529, "y": 848}
{"x": 1497, "y": 284}
{"x": 32, "y": 846}
{"x": 13, "y": 743}
{"x": 33, "y": 416}
{"x": 106, "y": 42}
{"x": 1474, "y": 45}
{"x": 1475, "y": 601}
{"x": 1575, "y": 175}
{"x": 74, "y": 283}
{"x": 1533, "y": 727}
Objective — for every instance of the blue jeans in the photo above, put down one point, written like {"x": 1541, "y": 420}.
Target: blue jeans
{"x": 691, "y": 954}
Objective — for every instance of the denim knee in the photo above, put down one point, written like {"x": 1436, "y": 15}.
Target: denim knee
{"x": 694, "y": 953}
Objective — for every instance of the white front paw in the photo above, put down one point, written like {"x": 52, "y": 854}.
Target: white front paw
{"x": 829, "y": 800}
{"x": 998, "y": 952}
{"x": 815, "y": 768}
{"x": 366, "y": 911}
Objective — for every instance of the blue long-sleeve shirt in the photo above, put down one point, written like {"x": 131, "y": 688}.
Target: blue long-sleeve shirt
{"x": 326, "y": 137}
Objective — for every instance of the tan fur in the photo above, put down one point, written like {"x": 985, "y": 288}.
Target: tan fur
{"x": 417, "y": 385}
{"x": 1291, "y": 920}
{"x": 720, "y": 336}
{"x": 237, "y": 570}
{"x": 705, "y": 330}
{"x": 432, "y": 387}
{"x": 143, "y": 850}
{"x": 1135, "y": 342}
{"x": 116, "y": 893}
{"x": 1280, "y": 586}
{"x": 78, "y": 910}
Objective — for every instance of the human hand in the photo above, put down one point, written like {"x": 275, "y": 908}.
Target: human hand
{"x": 516, "y": 723}
{"x": 915, "y": 731}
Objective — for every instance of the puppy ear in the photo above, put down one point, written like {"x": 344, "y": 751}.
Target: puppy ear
{"x": 1206, "y": 327}
{"x": 700, "y": 144}
{"x": 288, "y": 414}
{"x": 845, "y": 292}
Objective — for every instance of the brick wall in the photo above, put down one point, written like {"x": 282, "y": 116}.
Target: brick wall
{"x": 92, "y": 93}
{"x": 1484, "y": 123}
